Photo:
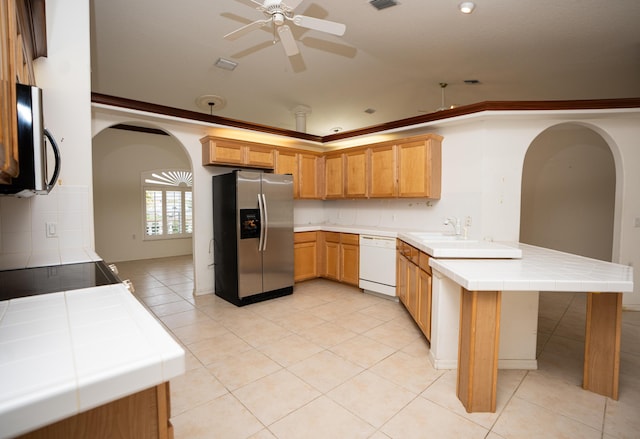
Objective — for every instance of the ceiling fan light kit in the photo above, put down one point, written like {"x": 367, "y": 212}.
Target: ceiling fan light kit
{"x": 277, "y": 12}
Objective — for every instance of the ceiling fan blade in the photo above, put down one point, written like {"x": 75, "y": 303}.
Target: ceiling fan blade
{"x": 327, "y": 26}
{"x": 287, "y": 40}
{"x": 250, "y": 3}
{"x": 245, "y": 29}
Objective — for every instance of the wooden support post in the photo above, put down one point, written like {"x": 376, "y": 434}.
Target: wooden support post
{"x": 478, "y": 350}
{"x": 602, "y": 343}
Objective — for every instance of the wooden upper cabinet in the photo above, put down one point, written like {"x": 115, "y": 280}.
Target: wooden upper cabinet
{"x": 304, "y": 166}
{"x": 8, "y": 125}
{"x": 334, "y": 176}
{"x": 287, "y": 163}
{"x": 309, "y": 166}
{"x": 420, "y": 167}
{"x": 219, "y": 151}
{"x": 259, "y": 156}
{"x": 383, "y": 172}
{"x": 356, "y": 165}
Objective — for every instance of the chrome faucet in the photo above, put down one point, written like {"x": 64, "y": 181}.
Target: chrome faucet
{"x": 455, "y": 223}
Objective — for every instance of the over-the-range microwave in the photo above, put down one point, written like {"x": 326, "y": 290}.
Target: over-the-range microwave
{"x": 33, "y": 138}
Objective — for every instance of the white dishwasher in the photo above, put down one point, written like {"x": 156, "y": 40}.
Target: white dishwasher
{"x": 378, "y": 265}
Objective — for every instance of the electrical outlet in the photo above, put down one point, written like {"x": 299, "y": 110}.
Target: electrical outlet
{"x": 467, "y": 221}
{"x": 636, "y": 223}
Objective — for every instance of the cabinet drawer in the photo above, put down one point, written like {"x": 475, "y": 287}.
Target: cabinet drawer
{"x": 350, "y": 238}
{"x": 332, "y": 237}
{"x": 304, "y": 237}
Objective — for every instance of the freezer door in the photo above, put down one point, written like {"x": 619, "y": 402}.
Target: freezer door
{"x": 277, "y": 259}
{"x": 249, "y": 258}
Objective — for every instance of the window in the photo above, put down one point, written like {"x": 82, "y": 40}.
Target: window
{"x": 168, "y": 204}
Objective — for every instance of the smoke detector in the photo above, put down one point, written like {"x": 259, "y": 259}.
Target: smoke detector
{"x": 211, "y": 103}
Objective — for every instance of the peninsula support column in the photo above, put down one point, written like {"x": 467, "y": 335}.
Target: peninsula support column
{"x": 602, "y": 343}
{"x": 478, "y": 345}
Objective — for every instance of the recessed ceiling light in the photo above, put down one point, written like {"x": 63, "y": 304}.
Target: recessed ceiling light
{"x": 226, "y": 64}
{"x": 336, "y": 129}
{"x": 467, "y": 7}
{"x": 370, "y": 110}
{"x": 471, "y": 81}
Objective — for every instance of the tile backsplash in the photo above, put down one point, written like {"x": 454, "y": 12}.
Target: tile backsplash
{"x": 64, "y": 213}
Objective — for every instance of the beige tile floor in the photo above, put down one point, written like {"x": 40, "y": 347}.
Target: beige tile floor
{"x": 332, "y": 362}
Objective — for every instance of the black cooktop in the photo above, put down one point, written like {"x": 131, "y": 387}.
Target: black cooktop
{"x": 42, "y": 280}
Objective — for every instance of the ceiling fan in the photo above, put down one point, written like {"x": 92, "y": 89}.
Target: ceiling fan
{"x": 277, "y": 13}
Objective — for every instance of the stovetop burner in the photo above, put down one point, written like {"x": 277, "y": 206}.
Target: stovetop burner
{"x": 42, "y": 280}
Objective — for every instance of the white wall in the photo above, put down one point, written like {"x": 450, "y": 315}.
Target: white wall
{"x": 483, "y": 159}
{"x": 119, "y": 158}
{"x": 64, "y": 76}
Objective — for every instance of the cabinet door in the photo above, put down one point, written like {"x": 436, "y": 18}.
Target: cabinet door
{"x": 309, "y": 165}
{"x": 334, "y": 176}
{"x": 424, "y": 303}
{"x": 419, "y": 168}
{"x": 382, "y": 172}
{"x": 220, "y": 151}
{"x": 259, "y": 156}
{"x": 304, "y": 261}
{"x": 350, "y": 258}
{"x": 401, "y": 276}
{"x": 332, "y": 260}
{"x": 412, "y": 289}
{"x": 8, "y": 116}
{"x": 287, "y": 163}
{"x": 356, "y": 174}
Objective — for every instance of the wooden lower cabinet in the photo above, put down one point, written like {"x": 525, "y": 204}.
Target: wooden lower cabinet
{"x": 143, "y": 415}
{"x": 413, "y": 284}
{"x": 423, "y": 314}
{"x": 305, "y": 256}
{"x": 331, "y": 246}
{"x": 350, "y": 258}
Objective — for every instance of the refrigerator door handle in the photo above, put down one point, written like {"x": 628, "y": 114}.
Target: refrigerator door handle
{"x": 262, "y": 223}
{"x": 265, "y": 222}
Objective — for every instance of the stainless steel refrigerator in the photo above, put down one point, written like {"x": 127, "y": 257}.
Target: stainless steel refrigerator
{"x": 252, "y": 236}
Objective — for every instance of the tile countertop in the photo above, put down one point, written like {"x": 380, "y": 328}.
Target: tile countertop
{"x": 540, "y": 269}
{"x": 64, "y": 353}
{"x": 14, "y": 261}
{"x": 460, "y": 248}
{"x": 360, "y": 230}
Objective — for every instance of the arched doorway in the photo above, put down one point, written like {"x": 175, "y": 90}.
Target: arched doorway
{"x": 568, "y": 192}
{"x": 122, "y": 155}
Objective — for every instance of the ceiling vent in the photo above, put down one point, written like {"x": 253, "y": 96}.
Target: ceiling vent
{"x": 382, "y": 4}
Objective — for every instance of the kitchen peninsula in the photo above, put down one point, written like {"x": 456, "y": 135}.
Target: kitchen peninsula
{"x": 484, "y": 306}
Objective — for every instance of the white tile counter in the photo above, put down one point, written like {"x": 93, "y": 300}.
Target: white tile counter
{"x": 459, "y": 248}
{"x": 540, "y": 269}
{"x": 64, "y": 353}
{"x": 360, "y": 230}
{"x": 44, "y": 258}
{"x": 472, "y": 294}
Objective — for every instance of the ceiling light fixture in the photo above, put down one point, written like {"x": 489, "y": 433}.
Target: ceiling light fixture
{"x": 226, "y": 64}
{"x": 467, "y": 7}
{"x": 209, "y": 103}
